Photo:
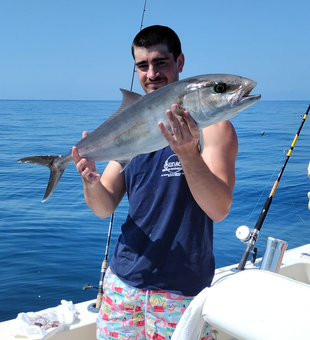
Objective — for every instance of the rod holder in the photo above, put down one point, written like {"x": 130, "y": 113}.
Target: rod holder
{"x": 92, "y": 308}
{"x": 273, "y": 255}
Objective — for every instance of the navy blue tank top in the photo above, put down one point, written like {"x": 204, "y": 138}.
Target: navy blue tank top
{"x": 167, "y": 240}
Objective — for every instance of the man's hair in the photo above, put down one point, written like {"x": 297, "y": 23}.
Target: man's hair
{"x": 155, "y": 35}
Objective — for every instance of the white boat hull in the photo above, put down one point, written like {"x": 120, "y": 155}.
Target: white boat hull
{"x": 294, "y": 266}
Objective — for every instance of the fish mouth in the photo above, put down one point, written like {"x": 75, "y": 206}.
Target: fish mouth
{"x": 242, "y": 97}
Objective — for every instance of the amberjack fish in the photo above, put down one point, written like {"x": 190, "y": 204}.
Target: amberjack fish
{"x": 133, "y": 130}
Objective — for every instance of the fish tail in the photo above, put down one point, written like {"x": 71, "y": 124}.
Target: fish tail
{"x": 56, "y": 170}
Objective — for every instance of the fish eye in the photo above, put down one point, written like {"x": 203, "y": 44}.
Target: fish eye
{"x": 220, "y": 87}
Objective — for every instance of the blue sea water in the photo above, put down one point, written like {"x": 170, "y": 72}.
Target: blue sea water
{"x": 50, "y": 250}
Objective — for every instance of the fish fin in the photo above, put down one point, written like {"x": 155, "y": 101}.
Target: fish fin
{"x": 129, "y": 98}
{"x": 178, "y": 112}
{"x": 123, "y": 164}
{"x": 201, "y": 142}
{"x": 55, "y": 171}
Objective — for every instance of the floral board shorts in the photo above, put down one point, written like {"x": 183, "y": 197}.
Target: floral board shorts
{"x": 129, "y": 313}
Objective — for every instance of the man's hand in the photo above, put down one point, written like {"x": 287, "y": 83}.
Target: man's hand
{"x": 86, "y": 169}
{"x": 184, "y": 138}
{"x": 211, "y": 175}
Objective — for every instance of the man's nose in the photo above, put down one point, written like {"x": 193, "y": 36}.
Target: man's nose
{"x": 152, "y": 72}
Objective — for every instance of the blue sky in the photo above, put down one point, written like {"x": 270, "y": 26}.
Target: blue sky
{"x": 78, "y": 49}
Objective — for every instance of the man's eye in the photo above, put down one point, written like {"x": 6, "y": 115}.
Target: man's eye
{"x": 142, "y": 67}
{"x": 161, "y": 63}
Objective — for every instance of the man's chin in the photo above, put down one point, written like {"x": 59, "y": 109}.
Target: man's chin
{"x": 152, "y": 87}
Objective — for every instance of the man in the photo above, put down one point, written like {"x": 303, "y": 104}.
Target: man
{"x": 164, "y": 255}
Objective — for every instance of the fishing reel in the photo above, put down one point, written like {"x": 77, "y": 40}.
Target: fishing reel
{"x": 247, "y": 235}
{"x": 244, "y": 233}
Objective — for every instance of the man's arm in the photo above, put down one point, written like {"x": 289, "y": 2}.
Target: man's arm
{"x": 102, "y": 194}
{"x": 210, "y": 176}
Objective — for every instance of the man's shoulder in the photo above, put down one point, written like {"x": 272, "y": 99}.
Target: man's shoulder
{"x": 226, "y": 125}
{"x": 220, "y": 132}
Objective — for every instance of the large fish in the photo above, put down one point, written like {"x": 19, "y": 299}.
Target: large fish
{"x": 133, "y": 130}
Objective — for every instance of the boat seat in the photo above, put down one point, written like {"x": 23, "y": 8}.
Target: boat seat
{"x": 259, "y": 305}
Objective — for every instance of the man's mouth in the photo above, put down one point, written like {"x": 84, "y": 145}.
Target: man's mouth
{"x": 156, "y": 82}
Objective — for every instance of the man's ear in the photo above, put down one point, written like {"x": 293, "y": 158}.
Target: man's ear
{"x": 180, "y": 62}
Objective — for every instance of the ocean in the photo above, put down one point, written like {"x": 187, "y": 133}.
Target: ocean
{"x": 50, "y": 250}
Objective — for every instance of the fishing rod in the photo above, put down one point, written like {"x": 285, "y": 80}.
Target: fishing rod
{"x": 134, "y": 66}
{"x": 104, "y": 265}
{"x": 254, "y": 235}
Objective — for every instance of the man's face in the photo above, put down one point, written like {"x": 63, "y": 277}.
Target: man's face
{"x": 156, "y": 67}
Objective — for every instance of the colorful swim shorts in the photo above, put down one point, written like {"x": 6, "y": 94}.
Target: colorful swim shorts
{"x": 129, "y": 313}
